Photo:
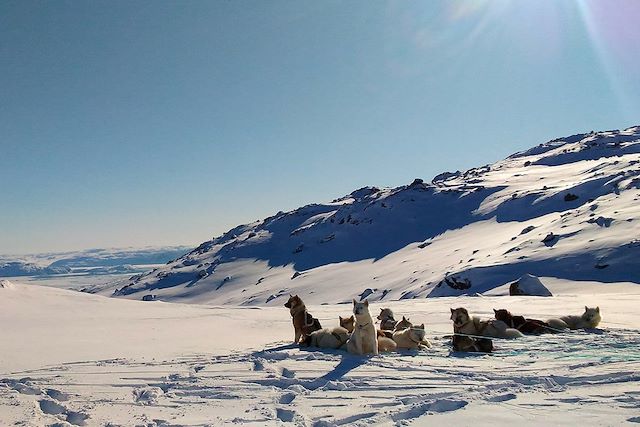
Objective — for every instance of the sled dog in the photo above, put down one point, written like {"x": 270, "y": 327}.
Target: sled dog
{"x": 589, "y": 319}
{"x": 387, "y": 322}
{"x": 386, "y": 344}
{"x": 526, "y": 326}
{"x": 403, "y": 324}
{"x": 465, "y": 324}
{"x": 411, "y": 338}
{"x": 469, "y": 344}
{"x": 364, "y": 339}
{"x": 347, "y": 323}
{"x": 326, "y": 338}
{"x": 303, "y": 322}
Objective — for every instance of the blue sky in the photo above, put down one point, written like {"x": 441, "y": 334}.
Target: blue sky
{"x": 150, "y": 123}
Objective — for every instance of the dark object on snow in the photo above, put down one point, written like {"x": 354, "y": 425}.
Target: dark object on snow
{"x": 526, "y": 326}
{"x": 470, "y": 344}
{"x": 529, "y": 285}
{"x": 149, "y": 297}
{"x": 570, "y": 197}
{"x": 549, "y": 238}
{"x": 455, "y": 283}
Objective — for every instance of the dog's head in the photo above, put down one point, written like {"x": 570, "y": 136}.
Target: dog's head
{"x": 502, "y": 314}
{"x": 347, "y": 322}
{"x": 385, "y": 314}
{"x": 403, "y": 324}
{"x": 591, "y": 314}
{"x": 361, "y": 308}
{"x": 417, "y": 333}
{"x": 294, "y": 300}
{"x": 460, "y": 316}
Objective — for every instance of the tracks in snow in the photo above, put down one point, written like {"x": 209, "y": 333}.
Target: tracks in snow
{"x": 285, "y": 384}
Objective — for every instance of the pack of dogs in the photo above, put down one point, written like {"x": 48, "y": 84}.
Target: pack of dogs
{"x": 359, "y": 335}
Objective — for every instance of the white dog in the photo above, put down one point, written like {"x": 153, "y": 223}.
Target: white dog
{"x": 589, "y": 319}
{"x": 412, "y": 338}
{"x": 364, "y": 337}
{"x": 327, "y": 338}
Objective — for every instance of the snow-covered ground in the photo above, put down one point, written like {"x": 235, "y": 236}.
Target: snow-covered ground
{"x": 71, "y": 357}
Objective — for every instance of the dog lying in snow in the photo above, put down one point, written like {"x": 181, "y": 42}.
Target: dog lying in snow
{"x": 403, "y": 324}
{"x": 589, "y": 319}
{"x": 469, "y": 344}
{"x": 411, "y": 338}
{"x": 303, "y": 322}
{"x": 526, "y": 326}
{"x": 465, "y": 324}
{"x": 326, "y": 338}
{"x": 364, "y": 337}
{"x": 347, "y": 322}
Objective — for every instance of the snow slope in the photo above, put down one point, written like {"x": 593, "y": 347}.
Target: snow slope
{"x": 568, "y": 208}
{"x": 69, "y": 358}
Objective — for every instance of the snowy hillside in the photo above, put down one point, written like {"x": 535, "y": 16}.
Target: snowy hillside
{"x": 568, "y": 208}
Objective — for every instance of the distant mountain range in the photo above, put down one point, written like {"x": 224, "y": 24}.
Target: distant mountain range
{"x": 91, "y": 261}
{"x": 568, "y": 208}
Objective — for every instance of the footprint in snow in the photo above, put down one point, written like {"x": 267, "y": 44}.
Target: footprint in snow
{"x": 287, "y": 398}
{"x": 51, "y": 407}
{"x": 287, "y": 373}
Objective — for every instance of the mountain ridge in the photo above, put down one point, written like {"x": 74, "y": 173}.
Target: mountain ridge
{"x": 567, "y": 205}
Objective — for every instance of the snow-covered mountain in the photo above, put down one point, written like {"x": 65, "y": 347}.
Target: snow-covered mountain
{"x": 568, "y": 208}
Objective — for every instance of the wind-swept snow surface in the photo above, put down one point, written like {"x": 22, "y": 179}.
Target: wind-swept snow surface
{"x": 569, "y": 208}
{"x": 69, "y": 358}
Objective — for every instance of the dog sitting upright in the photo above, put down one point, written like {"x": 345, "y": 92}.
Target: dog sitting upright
{"x": 364, "y": 338}
{"x": 303, "y": 322}
{"x": 526, "y": 326}
{"x": 387, "y": 322}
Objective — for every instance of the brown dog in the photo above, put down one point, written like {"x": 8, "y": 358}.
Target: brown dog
{"x": 303, "y": 322}
{"x": 526, "y": 326}
{"x": 469, "y": 344}
{"x": 349, "y": 323}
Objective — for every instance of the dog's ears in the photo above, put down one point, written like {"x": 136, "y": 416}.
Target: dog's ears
{"x": 340, "y": 317}
{"x": 354, "y": 301}
{"x": 351, "y": 317}
{"x": 586, "y": 308}
{"x": 452, "y": 310}
{"x": 366, "y": 303}
{"x": 404, "y": 318}
{"x": 597, "y": 309}
{"x": 495, "y": 311}
{"x": 381, "y": 310}
{"x": 422, "y": 326}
